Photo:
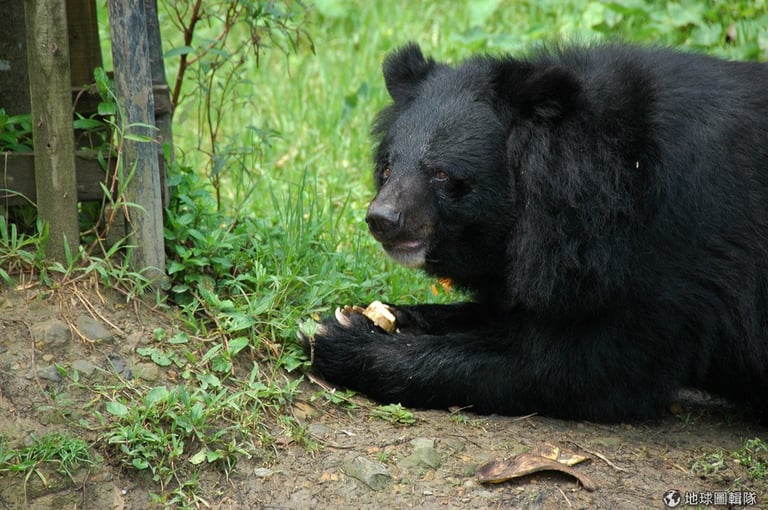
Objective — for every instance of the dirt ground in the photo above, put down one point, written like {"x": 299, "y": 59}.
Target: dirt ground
{"x": 362, "y": 462}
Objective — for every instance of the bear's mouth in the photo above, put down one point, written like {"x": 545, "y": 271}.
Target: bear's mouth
{"x": 411, "y": 253}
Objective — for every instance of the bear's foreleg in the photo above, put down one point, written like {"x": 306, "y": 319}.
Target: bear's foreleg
{"x": 606, "y": 369}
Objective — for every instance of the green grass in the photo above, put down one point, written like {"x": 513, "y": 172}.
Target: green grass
{"x": 752, "y": 457}
{"x": 270, "y": 232}
{"x": 394, "y": 413}
{"x": 60, "y": 452}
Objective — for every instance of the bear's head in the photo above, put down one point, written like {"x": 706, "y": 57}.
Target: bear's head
{"x": 446, "y": 195}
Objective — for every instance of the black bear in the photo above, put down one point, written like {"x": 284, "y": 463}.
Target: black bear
{"x": 607, "y": 208}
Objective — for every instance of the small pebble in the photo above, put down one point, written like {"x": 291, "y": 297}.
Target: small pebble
{"x": 49, "y": 373}
{"x": 262, "y": 472}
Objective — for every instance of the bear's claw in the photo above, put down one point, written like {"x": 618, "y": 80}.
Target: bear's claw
{"x": 342, "y": 318}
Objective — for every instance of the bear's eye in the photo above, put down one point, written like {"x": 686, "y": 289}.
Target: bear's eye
{"x": 440, "y": 175}
{"x": 386, "y": 172}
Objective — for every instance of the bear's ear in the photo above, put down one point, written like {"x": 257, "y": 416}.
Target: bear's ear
{"x": 404, "y": 69}
{"x": 546, "y": 92}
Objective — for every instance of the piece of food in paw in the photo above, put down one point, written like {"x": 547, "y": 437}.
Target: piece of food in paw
{"x": 381, "y": 315}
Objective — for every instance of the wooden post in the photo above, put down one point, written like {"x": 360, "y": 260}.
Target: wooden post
{"x": 52, "y": 129}
{"x": 133, "y": 87}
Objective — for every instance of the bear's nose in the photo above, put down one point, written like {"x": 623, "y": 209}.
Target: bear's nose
{"x": 382, "y": 219}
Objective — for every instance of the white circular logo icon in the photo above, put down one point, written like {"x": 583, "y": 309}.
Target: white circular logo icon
{"x": 672, "y": 498}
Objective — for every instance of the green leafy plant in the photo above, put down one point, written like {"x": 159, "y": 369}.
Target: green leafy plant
{"x": 394, "y": 413}
{"x": 218, "y": 63}
{"x": 754, "y": 457}
{"x": 172, "y": 432}
{"x": 19, "y": 252}
{"x": 15, "y": 132}
{"x": 338, "y": 397}
{"x": 157, "y": 430}
{"x": 709, "y": 464}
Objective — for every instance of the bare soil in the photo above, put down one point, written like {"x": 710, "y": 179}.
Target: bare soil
{"x": 430, "y": 464}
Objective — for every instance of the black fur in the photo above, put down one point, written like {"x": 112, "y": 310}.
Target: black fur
{"x": 607, "y": 206}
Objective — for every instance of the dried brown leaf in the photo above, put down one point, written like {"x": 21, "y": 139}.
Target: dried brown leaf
{"x": 498, "y": 471}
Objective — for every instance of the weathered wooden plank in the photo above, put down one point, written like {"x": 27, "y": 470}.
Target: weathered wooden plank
{"x": 84, "y": 47}
{"x": 50, "y": 93}
{"x": 133, "y": 87}
{"x": 160, "y": 90}
{"x": 14, "y": 80}
{"x": 87, "y": 103}
{"x": 17, "y": 178}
